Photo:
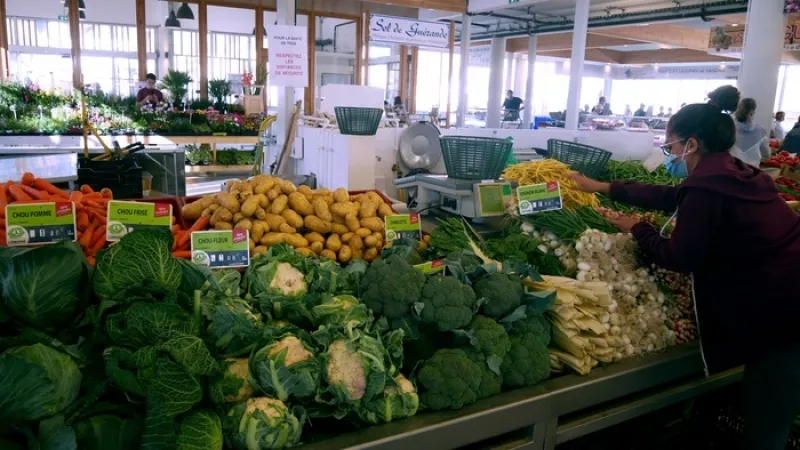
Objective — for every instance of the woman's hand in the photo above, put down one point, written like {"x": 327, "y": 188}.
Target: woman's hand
{"x": 624, "y": 223}
{"x": 589, "y": 185}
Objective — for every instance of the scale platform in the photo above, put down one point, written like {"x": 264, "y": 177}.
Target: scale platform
{"x": 468, "y": 198}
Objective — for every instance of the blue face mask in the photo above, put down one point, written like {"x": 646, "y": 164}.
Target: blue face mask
{"x": 677, "y": 169}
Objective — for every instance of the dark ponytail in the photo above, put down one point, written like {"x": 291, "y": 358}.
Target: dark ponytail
{"x": 726, "y": 98}
{"x": 713, "y": 129}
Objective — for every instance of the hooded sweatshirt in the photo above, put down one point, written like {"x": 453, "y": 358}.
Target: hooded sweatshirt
{"x": 741, "y": 242}
{"x": 751, "y": 143}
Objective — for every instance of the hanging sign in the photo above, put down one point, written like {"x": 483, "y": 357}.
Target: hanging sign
{"x": 288, "y": 56}
{"x": 401, "y": 30}
{"x": 539, "y": 198}
{"x": 124, "y": 217}
{"x": 219, "y": 249}
{"x": 40, "y": 223}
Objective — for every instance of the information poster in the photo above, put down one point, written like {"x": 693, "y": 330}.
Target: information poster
{"x": 539, "y": 197}
{"x": 221, "y": 249}
{"x": 406, "y": 31}
{"x": 288, "y": 56}
{"x": 125, "y": 217}
{"x": 40, "y": 223}
{"x": 402, "y": 227}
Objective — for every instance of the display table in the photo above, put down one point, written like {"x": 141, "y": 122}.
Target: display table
{"x": 614, "y": 394}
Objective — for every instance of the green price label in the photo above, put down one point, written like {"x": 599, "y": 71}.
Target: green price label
{"x": 221, "y": 249}
{"x": 124, "y": 217}
{"x": 539, "y": 197}
{"x": 431, "y": 267}
{"x": 40, "y": 223}
{"x": 403, "y": 226}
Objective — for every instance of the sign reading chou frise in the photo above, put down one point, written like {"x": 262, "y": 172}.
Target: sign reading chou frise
{"x": 401, "y": 30}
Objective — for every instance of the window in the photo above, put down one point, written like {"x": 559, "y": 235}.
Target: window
{"x": 186, "y": 56}
{"x": 231, "y": 54}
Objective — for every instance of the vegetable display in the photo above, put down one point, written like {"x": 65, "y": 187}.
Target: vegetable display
{"x": 542, "y": 171}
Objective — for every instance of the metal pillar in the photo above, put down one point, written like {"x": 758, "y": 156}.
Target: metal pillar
{"x": 463, "y": 70}
{"x": 576, "y": 63}
{"x": 287, "y": 15}
{"x": 761, "y": 56}
{"x": 495, "y": 105}
{"x": 528, "y": 111}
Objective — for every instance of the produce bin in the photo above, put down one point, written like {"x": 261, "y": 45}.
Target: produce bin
{"x": 123, "y": 177}
{"x": 588, "y": 160}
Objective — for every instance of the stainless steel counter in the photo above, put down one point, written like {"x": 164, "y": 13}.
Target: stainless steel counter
{"x": 613, "y": 394}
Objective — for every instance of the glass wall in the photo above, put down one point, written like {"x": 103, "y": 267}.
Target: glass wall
{"x": 335, "y": 52}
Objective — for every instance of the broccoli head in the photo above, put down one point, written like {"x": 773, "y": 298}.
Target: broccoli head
{"x": 503, "y": 294}
{"x": 528, "y": 362}
{"x": 449, "y": 380}
{"x": 390, "y": 286}
{"x": 447, "y": 303}
{"x": 489, "y": 338}
{"x": 491, "y": 382}
{"x": 533, "y": 323}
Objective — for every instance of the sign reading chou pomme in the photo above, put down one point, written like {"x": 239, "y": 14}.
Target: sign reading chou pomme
{"x": 401, "y": 30}
{"x": 40, "y": 223}
{"x": 288, "y": 56}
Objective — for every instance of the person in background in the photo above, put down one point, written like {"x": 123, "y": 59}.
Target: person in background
{"x": 586, "y": 108}
{"x": 777, "y": 131}
{"x": 149, "y": 94}
{"x": 669, "y": 112}
{"x": 791, "y": 143}
{"x": 730, "y": 217}
{"x": 641, "y": 111}
{"x": 649, "y": 112}
{"x": 752, "y": 143}
{"x": 661, "y": 111}
{"x": 726, "y": 98}
{"x": 628, "y": 112}
{"x": 400, "y": 110}
{"x": 511, "y": 106}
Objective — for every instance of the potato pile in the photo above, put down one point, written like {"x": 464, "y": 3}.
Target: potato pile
{"x": 330, "y": 224}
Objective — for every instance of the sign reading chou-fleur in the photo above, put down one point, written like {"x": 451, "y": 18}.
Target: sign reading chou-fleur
{"x": 401, "y": 30}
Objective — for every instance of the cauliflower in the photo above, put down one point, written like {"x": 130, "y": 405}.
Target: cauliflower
{"x": 287, "y": 367}
{"x": 390, "y": 286}
{"x": 339, "y": 309}
{"x": 449, "y": 380}
{"x": 503, "y": 294}
{"x": 399, "y": 400}
{"x": 345, "y": 369}
{"x": 447, "y": 303}
{"x": 528, "y": 362}
{"x": 234, "y": 385}
{"x": 261, "y": 423}
{"x": 295, "y": 351}
{"x": 288, "y": 281}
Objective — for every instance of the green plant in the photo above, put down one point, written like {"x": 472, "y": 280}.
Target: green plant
{"x": 177, "y": 83}
{"x": 446, "y": 303}
{"x": 219, "y": 90}
{"x": 391, "y": 286}
{"x": 527, "y": 362}
{"x": 502, "y": 294}
{"x": 449, "y": 380}
{"x": 491, "y": 381}
{"x": 488, "y": 337}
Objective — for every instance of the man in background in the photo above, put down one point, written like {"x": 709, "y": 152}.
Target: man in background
{"x": 777, "y": 131}
{"x": 511, "y": 106}
{"x": 149, "y": 94}
{"x": 641, "y": 111}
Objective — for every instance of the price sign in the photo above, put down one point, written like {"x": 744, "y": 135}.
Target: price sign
{"x": 221, "y": 249}
{"x": 431, "y": 266}
{"x": 124, "y": 217}
{"x": 40, "y": 223}
{"x": 539, "y": 197}
{"x": 403, "y": 226}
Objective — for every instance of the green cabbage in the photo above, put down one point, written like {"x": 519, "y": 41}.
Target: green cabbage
{"x": 108, "y": 432}
{"x": 200, "y": 430}
{"x": 233, "y": 385}
{"x": 35, "y": 382}
{"x": 43, "y": 286}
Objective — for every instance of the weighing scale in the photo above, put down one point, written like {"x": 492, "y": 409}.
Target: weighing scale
{"x": 468, "y": 198}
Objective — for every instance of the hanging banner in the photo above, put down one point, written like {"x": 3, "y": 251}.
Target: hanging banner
{"x": 729, "y": 39}
{"x": 479, "y": 55}
{"x": 401, "y": 30}
{"x": 288, "y": 56}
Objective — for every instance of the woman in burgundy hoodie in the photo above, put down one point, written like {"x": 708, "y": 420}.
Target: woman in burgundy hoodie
{"x": 741, "y": 243}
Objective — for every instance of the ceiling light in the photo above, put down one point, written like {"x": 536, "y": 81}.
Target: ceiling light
{"x": 81, "y": 5}
{"x": 734, "y": 24}
{"x": 723, "y": 67}
{"x": 265, "y": 31}
{"x": 185, "y": 12}
{"x": 82, "y": 15}
{"x": 172, "y": 21}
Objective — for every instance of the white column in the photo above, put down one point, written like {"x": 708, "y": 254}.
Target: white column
{"x": 287, "y": 15}
{"x": 463, "y": 70}
{"x": 509, "y": 72}
{"x": 496, "y": 61}
{"x": 576, "y": 63}
{"x": 520, "y": 65}
{"x": 527, "y": 115}
{"x": 782, "y": 89}
{"x": 607, "y": 87}
{"x": 761, "y": 56}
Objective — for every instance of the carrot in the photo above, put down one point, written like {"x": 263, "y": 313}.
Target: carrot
{"x": 91, "y": 260}
{"x": 86, "y": 238}
{"x": 83, "y": 220}
{"x": 3, "y": 198}
{"x": 100, "y": 242}
{"x": 99, "y": 232}
{"x": 98, "y": 217}
{"x": 185, "y": 254}
{"x": 44, "y": 185}
{"x": 92, "y": 196}
{"x": 107, "y": 193}
{"x": 200, "y": 224}
{"x": 27, "y": 179}
{"x": 76, "y": 197}
{"x": 2, "y": 221}
{"x": 102, "y": 211}
{"x": 98, "y": 201}
{"x": 176, "y": 229}
{"x": 34, "y": 193}
{"x": 17, "y": 193}
{"x": 86, "y": 189}
{"x": 33, "y": 200}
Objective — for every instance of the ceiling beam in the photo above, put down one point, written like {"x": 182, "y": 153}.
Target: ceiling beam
{"x": 671, "y": 56}
{"x": 660, "y": 33}
{"x": 563, "y": 41}
{"x": 601, "y": 55}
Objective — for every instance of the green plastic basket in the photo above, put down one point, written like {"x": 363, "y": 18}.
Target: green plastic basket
{"x": 358, "y": 121}
{"x": 588, "y": 160}
{"x": 475, "y": 158}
